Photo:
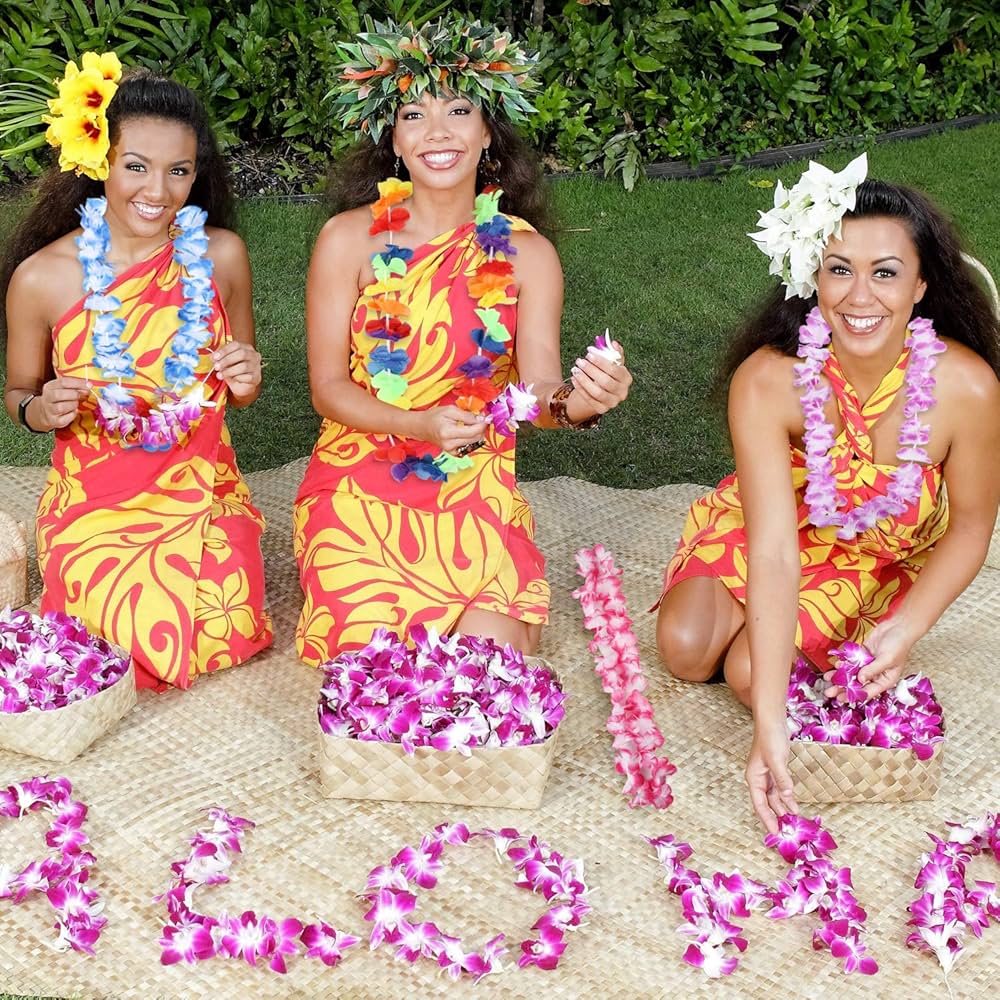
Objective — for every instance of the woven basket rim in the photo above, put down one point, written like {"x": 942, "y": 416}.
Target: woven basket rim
{"x": 845, "y": 749}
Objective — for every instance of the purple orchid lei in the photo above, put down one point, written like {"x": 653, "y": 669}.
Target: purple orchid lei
{"x": 391, "y": 894}
{"x": 61, "y": 878}
{"x": 515, "y": 405}
{"x": 948, "y": 908}
{"x": 452, "y": 692}
{"x": 821, "y": 495}
{"x": 907, "y": 717}
{"x": 813, "y": 884}
{"x": 51, "y": 661}
{"x": 631, "y": 723}
{"x": 191, "y": 937}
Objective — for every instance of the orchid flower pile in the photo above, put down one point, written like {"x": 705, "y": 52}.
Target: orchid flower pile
{"x": 814, "y": 884}
{"x": 62, "y": 878}
{"x": 452, "y": 692}
{"x": 51, "y": 661}
{"x": 821, "y": 494}
{"x": 948, "y": 908}
{"x": 391, "y": 894}
{"x": 906, "y": 717}
{"x": 191, "y": 936}
{"x": 636, "y": 737}
{"x": 169, "y": 423}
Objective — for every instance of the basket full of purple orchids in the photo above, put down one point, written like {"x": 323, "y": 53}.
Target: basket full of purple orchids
{"x": 60, "y": 687}
{"x": 887, "y": 748}
{"x": 457, "y": 719}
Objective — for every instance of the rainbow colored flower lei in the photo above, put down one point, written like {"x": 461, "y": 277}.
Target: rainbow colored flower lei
{"x": 821, "y": 494}
{"x": 388, "y": 362}
{"x": 167, "y": 424}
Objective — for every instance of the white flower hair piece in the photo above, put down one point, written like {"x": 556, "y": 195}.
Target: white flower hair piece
{"x": 794, "y": 233}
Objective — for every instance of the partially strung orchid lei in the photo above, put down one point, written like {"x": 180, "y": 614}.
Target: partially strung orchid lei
{"x": 452, "y": 692}
{"x": 814, "y": 884}
{"x": 190, "y": 936}
{"x": 821, "y": 494}
{"x": 388, "y": 362}
{"x": 907, "y": 717}
{"x": 391, "y": 893}
{"x": 62, "y": 878}
{"x": 167, "y": 424}
{"x": 948, "y": 908}
{"x": 636, "y": 736}
{"x": 51, "y": 661}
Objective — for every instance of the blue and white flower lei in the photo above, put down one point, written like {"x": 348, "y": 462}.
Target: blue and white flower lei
{"x": 167, "y": 423}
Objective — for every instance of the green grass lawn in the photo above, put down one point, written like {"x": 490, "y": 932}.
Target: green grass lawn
{"x": 668, "y": 268}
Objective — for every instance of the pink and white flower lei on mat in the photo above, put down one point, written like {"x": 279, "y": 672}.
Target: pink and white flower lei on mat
{"x": 948, "y": 909}
{"x": 636, "y": 736}
{"x": 814, "y": 884}
{"x": 62, "y": 877}
{"x": 821, "y": 495}
{"x": 391, "y": 893}
{"x": 190, "y": 936}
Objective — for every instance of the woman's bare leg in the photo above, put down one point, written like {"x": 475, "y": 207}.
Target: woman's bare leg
{"x": 501, "y": 628}
{"x": 696, "y": 624}
{"x": 737, "y": 667}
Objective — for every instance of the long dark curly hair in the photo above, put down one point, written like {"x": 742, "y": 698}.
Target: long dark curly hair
{"x": 58, "y": 194}
{"x": 354, "y": 179}
{"x": 955, "y": 299}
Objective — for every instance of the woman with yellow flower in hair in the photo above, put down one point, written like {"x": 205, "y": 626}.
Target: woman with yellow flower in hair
{"x": 145, "y": 528}
{"x": 430, "y": 295}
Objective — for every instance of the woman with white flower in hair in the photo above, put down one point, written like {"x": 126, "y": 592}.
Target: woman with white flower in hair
{"x": 145, "y": 528}
{"x": 865, "y": 385}
{"x": 433, "y": 310}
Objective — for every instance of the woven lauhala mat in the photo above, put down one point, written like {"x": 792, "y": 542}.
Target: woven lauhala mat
{"x": 245, "y": 739}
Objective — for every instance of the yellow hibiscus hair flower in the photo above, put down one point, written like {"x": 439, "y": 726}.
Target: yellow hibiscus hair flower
{"x": 83, "y": 143}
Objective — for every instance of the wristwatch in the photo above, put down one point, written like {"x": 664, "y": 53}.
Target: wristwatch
{"x": 22, "y": 412}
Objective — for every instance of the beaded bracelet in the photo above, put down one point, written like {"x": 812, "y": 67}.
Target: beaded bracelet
{"x": 557, "y": 410}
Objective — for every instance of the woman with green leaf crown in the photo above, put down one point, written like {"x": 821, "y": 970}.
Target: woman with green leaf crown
{"x": 864, "y": 407}
{"x": 145, "y": 528}
{"x": 430, "y": 295}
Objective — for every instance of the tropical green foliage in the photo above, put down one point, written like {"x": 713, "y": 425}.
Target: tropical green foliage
{"x": 624, "y": 84}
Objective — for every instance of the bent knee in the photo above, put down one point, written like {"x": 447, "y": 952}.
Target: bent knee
{"x": 684, "y": 652}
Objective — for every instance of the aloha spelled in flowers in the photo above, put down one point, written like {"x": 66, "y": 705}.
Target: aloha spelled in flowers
{"x": 173, "y": 419}
{"x": 51, "y": 661}
{"x": 452, "y": 692}
{"x": 821, "y": 495}
{"x": 190, "y": 936}
{"x": 948, "y": 908}
{"x": 391, "y": 894}
{"x": 907, "y": 717}
{"x": 636, "y": 736}
{"x": 794, "y": 233}
{"x": 813, "y": 885}
{"x": 62, "y": 878}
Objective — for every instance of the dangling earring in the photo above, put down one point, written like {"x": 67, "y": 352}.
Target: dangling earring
{"x": 489, "y": 166}
{"x": 396, "y": 168}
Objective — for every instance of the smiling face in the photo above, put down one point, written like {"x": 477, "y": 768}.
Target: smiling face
{"x": 440, "y": 139}
{"x": 151, "y": 171}
{"x": 868, "y": 284}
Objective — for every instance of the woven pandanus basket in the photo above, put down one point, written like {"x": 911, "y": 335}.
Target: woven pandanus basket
{"x": 512, "y": 777}
{"x": 13, "y": 562}
{"x": 825, "y": 772}
{"x": 61, "y": 734}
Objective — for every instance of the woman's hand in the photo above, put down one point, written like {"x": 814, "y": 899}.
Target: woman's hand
{"x": 449, "y": 427}
{"x": 602, "y": 384}
{"x": 59, "y": 402}
{"x": 238, "y": 365}
{"x": 767, "y": 775}
{"x": 890, "y": 643}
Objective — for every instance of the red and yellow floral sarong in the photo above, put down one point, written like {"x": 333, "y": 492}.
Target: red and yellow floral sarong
{"x": 375, "y": 552}
{"x": 847, "y": 586}
{"x": 158, "y": 552}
